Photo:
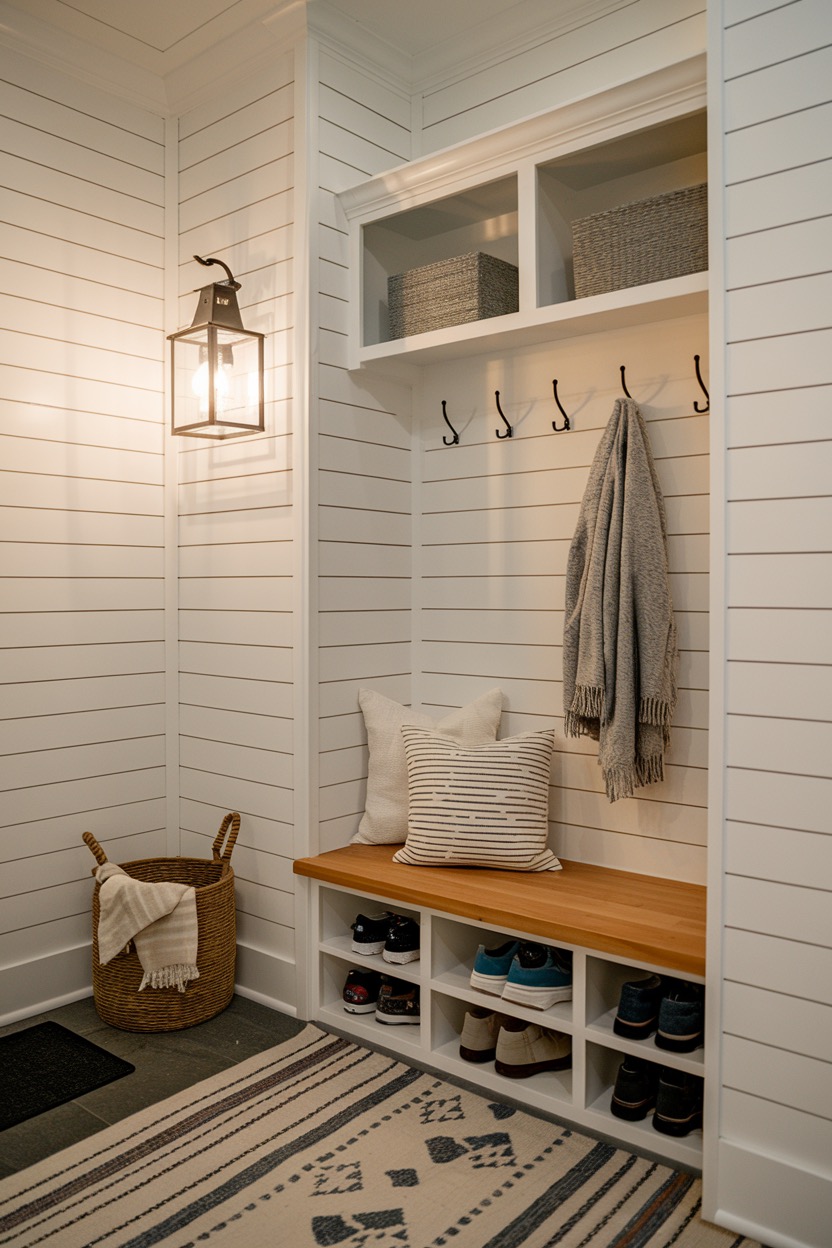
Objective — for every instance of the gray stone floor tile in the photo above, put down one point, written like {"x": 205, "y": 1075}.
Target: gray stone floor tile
{"x": 165, "y": 1062}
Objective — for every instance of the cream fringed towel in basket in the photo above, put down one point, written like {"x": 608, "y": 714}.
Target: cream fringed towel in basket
{"x": 160, "y": 919}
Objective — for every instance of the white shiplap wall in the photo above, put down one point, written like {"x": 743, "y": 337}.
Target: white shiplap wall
{"x": 581, "y": 52}
{"x": 81, "y": 512}
{"x": 496, "y": 525}
{"x": 236, "y": 701}
{"x": 363, "y": 449}
{"x": 773, "y": 1168}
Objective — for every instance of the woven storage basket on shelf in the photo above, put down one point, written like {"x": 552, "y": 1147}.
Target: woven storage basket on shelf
{"x": 451, "y": 292}
{"x": 648, "y": 241}
{"x": 116, "y": 985}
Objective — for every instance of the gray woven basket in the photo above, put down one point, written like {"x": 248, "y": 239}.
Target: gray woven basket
{"x": 647, "y": 241}
{"x": 451, "y": 292}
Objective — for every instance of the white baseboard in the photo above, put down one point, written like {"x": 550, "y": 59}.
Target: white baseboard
{"x": 44, "y": 984}
{"x": 771, "y": 1200}
{"x": 35, "y": 987}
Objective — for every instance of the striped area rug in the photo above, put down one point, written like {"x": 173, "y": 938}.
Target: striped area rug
{"x": 320, "y": 1143}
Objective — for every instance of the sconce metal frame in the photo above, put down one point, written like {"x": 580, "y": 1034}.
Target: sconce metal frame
{"x": 216, "y": 331}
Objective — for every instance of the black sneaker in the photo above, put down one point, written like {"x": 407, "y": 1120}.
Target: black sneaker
{"x": 682, "y": 1018}
{"x": 402, "y": 943}
{"x": 638, "y": 1007}
{"x": 634, "y": 1094}
{"x": 398, "y": 1002}
{"x": 678, "y": 1103}
{"x": 369, "y": 934}
{"x": 361, "y": 991}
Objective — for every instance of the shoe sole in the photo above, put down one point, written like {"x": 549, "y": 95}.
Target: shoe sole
{"x": 375, "y": 946}
{"x": 394, "y": 1018}
{"x": 532, "y": 1068}
{"x": 489, "y": 983}
{"x": 538, "y": 998}
{"x": 634, "y": 1031}
{"x": 677, "y": 1126}
{"x": 359, "y": 1009}
{"x": 477, "y": 1055}
{"x": 632, "y": 1112}
{"x": 400, "y": 957}
{"x": 679, "y": 1044}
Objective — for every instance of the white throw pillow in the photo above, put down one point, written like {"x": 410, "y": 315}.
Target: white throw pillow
{"x": 384, "y": 821}
{"x": 486, "y": 806}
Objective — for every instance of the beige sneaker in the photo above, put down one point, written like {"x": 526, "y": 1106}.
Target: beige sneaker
{"x": 525, "y": 1049}
{"x": 478, "y": 1041}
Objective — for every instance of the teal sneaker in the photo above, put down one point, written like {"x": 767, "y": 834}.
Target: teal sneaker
{"x": 539, "y": 976}
{"x": 491, "y": 966}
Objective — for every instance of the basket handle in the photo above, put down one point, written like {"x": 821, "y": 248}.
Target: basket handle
{"x": 232, "y": 819}
{"x": 95, "y": 848}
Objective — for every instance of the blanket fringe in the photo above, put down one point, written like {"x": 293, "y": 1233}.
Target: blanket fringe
{"x": 587, "y": 704}
{"x": 657, "y": 711}
{"x": 177, "y": 976}
{"x": 624, "y": 780}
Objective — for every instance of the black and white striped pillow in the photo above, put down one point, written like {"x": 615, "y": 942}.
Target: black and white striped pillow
{"x": 480, "y": 806}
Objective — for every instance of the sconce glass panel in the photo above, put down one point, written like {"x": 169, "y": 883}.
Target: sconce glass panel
{"x": 217, "y": 376}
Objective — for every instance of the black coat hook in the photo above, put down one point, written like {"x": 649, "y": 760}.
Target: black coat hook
{"x": 624, "y": 384}
{"x": 696, "y": 406}
{"x": 566, "y": 426}
{"x": 508, "y": 431}
{"x": 455, "y": 439}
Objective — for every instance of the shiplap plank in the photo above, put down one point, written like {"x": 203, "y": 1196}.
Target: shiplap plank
{"x": 803, "y": 1027}
{"x": 779, "y": 471}
{"x": 255, "y": 628}
{"x": 230, "y": 527}
{"x": 261, "y": 732}
{"x": 782, "y": 307}
{"x": 341, "y": 110}
{"x": 232, "y": 793}
{"x": 573, "y": 64}
{"x": 795, "y": 1080}
{"x": 758, "y": 743}
{"x": 243, "y": 157}
{"x": 79, "y": 292}
{"x": 780, "y": 526}
{"x": 237, "y": 661}
{"x": 789, "y": 30}
{"x": 786, "y": 86}
{"x": 782, "y": 362}
{"x": 764, "y": 419}
{"x": 255, "y": 117}
{"x": 778, "y": 199}
{"x": 784, "y": 141}
{"x": 244, "y": 593}
{"x": 46, "y": 767}
{"x": 779, "y": 799}
{"x": 804, "y": 1137}
{"x": 55, "y": 628}
{"x": 646, "y": 855}
{"x": 784, "y": 688}
{"x": 41, "y": 801}
{"x": 222, "y": 758}
{"x": 242, "y": 559}
{"x": 781, "y": 965}
{"x": 29, "y": 212}
{"x": 48, "y": 663}
{"x": 73, "y": 693}
{"x": 339, "y": 76}
{"x": 801, "y": 581}
{"x": 780, "y": 254}
{"x": 54, "y": 732}
{"x": 252, "y": 697}
{"x": 272, "y": 181}
{"x": 779, "y": 854}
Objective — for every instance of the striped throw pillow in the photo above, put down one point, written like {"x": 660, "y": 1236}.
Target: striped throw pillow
{"x": 480, "y": 806}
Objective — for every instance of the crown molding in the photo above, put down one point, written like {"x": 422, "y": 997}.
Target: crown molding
{"x": 389, "y": 64}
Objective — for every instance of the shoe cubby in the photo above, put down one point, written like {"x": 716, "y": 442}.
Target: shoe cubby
{"x": 604, "y": 979}
{"x": 580, "y": 1095}
{"x": 453, "y": 950}
{"x": 548, "y": 1089}
{"x": 602, "y": 1066}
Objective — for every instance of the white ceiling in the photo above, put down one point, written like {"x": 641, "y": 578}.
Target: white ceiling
{"x": 161, "y": 35}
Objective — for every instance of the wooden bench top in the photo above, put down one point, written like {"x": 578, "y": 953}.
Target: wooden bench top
{"x": 641, "y": 917}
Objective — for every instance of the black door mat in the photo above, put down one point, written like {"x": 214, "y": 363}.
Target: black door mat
{"x": 48, "y": 1065}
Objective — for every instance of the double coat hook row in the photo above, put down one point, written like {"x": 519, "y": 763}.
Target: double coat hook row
{"x": 508, "y": 430}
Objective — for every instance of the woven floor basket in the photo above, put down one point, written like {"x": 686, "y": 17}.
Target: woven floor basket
{"x": 116, "y": 985}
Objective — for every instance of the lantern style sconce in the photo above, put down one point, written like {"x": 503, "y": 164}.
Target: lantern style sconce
{"x": 217, "y": 368}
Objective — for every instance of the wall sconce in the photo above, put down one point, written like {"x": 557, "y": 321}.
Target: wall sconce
{"x": 217, "y": 368}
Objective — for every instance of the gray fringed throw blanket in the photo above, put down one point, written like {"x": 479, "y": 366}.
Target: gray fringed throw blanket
{"x": 619, "y": 639}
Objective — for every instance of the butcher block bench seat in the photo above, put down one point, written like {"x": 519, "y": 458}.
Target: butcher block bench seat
{"x": 638, "y": 917}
